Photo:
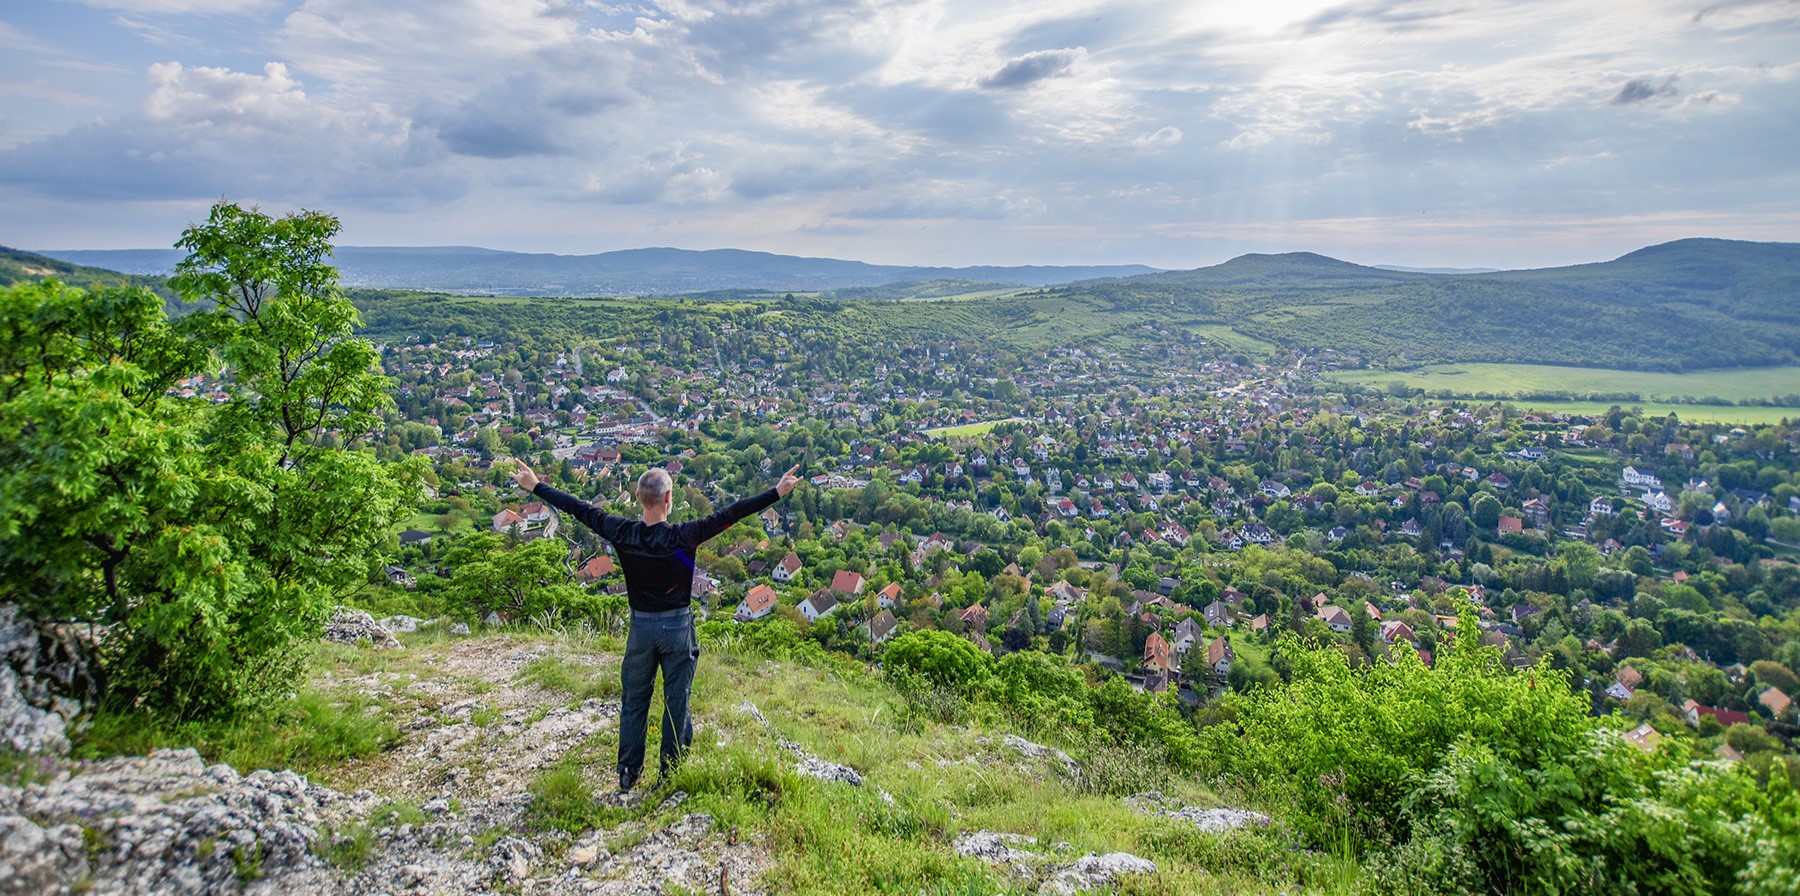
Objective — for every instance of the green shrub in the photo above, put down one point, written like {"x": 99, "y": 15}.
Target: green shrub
{"x": 518, "y": 582}
{"x": 1486, "y": 780}
{"x": 1046, "y": 692}
{"x": 1342, "y": 747}
{"x": 942, "y": 659}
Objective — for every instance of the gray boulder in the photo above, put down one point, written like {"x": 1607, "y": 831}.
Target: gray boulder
{"x": 355, "y": 627}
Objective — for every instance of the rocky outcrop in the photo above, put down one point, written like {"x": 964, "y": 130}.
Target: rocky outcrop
{"x": 47, "y": 675}
{"x": 403, "y": 624}
{"x": 1212, "y": 821}
{"x": 1041, "y": 752}
{"x": 1055, "y": 877}
{"x": 357, "y": 626}
{"x": 805, "y": 763}
{"x": 691, "y": 856}
{"x": 1091, "y": 872}
{"x": 163, "y": 824}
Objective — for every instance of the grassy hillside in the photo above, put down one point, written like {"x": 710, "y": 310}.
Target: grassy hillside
{"x": 472, "y": 710}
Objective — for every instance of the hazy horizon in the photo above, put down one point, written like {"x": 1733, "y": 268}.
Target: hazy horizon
{"x": 1156, "y": 132}
{"x": 56, "y": 251}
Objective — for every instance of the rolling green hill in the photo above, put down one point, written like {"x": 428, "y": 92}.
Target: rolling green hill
{"x": 1686, "y": 305}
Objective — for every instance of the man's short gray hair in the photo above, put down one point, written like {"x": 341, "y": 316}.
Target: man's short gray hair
{"x": 654, "y": 486}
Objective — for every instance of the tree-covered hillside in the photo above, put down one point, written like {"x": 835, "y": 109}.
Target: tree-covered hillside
{"x": 17, "y": 266}
{"x": 1686, "y": 305}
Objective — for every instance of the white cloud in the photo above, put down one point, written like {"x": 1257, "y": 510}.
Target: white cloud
{"x": 1160, "y": 139}
{"x": 213, "y": 131}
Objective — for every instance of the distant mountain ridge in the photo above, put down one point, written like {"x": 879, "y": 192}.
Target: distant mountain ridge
{"x": 652, "y": 271}
{"x": 1685, "y": 305}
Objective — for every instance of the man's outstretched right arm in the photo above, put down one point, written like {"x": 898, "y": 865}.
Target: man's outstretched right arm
{"x": 720, "y": 520}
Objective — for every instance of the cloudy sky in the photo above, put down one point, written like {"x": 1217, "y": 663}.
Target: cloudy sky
{"x": 1167, "y": 132}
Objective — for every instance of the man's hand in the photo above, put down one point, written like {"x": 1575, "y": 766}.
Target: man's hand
{"x": 788, "y": 481}
{"x": 522, "y": 474}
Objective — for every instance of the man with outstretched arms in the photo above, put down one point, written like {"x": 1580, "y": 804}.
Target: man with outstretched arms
{"x": 657, "y": 557}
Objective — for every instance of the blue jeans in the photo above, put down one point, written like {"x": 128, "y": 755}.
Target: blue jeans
{"x": 663, "y": 641}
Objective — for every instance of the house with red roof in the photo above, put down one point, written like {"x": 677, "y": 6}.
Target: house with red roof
{"x": 759, "y": 602}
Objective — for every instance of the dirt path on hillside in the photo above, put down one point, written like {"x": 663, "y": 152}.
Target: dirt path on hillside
{"x": 473, "y": 725}
{"x": 477, "y": 731}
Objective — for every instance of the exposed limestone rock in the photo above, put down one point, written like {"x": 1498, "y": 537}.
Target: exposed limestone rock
{"x": 512, "y": 858}
{"x": 1212, "y": 821}
{"x": 26, "y": 728}
{"x": 1094, "y": 871}
{"x": 356, "y": 626}
{"x": 806, "y": 763}
{"x": 164, "y": 824}
{"x": 403, "y": 624}
{"x": 1000, "y": 849}
{"x": 814, "y": 767}
{"x": 1039, "y": 751}
{"x": 689, "y": 854}
{"x": 1004, "y": 850}
{"x": 45, "y": 675}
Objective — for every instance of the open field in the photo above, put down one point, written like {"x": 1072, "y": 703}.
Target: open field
{"x": 969, "y": 429}
{"x": 1714, "y": 413}
{"x": 1224, "y": 335}
{"x": 1528, "y": 379}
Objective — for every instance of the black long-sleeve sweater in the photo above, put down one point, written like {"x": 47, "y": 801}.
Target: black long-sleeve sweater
{"x": 658, "y": 560}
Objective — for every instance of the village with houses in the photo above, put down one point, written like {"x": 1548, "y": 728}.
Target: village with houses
{"x": 1165, "y": 510}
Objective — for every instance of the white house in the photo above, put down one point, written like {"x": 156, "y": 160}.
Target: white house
{"x": 787, "y": 568}
{"x": 819, "y": 604}
{"x": 759, "y": 602}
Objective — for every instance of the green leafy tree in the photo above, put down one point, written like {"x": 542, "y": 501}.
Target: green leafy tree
{"x": 1485, "y": 512}
{"x": 528, "y": 580}
{"x": 209, "y": 539}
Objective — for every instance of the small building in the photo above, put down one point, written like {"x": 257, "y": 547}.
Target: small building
{"x": 1219, "y": 656}
{"x": 882, "y": 627}
{"x": 1644, "y": 738}
{"x": 1158, "y": 655}
{"x": 889, "y": 597}
{"x": 596, "y": 566}
{"x": 820, "y": 603}
{"x": 786, "y": 569}
{"x": 1336, "y": 618}
{"x": 759, "y": 602}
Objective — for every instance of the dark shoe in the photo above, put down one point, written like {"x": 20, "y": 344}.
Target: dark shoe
{"x": 628, "y": 779}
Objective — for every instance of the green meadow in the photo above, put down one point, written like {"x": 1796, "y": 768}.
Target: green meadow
{"x": 1500, "y": 380}
{"x": 969, "y": 429}
{"x": 1698, "y": 413}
